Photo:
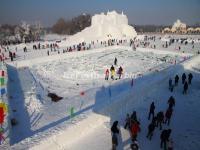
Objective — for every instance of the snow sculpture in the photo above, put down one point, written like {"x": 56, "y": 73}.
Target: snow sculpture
{"x": 104, "y": 26}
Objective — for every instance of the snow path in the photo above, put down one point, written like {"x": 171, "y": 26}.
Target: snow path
{"x": 140, "y": 100}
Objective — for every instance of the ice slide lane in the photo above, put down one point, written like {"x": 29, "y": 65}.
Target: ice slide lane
{"x": 123, "y": 103}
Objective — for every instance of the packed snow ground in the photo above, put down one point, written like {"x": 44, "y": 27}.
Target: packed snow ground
{"x": 41, "y": 120}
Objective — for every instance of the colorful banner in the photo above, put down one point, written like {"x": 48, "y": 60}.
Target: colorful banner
{"x": 2, "y": 81}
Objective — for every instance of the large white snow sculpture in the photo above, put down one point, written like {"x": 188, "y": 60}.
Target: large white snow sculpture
{"x": 104, "y": 26}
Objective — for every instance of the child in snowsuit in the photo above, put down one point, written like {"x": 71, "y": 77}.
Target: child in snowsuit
{"x": 106, "y": 74}
{"x": 151, "y": 111}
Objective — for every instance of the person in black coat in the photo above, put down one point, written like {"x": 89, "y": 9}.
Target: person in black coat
{"x": 151, "y": 111}
{"x": 160, "y": 119}
{"x": 127, "y": 122}
{"x": 114, "y": 128}
{"x": 190, "y": 76}
{"x": 164, "y": 138}
{"x": 171, "y": 102}
{"x": 115, "y": 61}
{"x": 115, "y": 131}
{"x": 176, "y": 80}
{"x": 185, "y": 88}
{"x": 168, "y": 115}
{"x": 151, "y": 128}
{"x": 183, "y": 78}
{"x": 134, "y": 116}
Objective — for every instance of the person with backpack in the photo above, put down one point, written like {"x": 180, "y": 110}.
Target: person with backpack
{"x": 176, "y": 80}
{"x": 185, "y": 88}
{"x": 190, "y": 76}
{"x": 183, "y": 78}
{"x": 168, "y": 115}
{"x": 151, "y": 111}
{"x": 151, "y": 128}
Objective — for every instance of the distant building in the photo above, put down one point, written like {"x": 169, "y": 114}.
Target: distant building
{"x": 181, "y": 28}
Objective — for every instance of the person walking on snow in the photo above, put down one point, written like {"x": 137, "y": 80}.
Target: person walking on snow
{"x": 160, "y": 119}
{"x": 183, "y": 78}
{"x": 151, "y": 111}
{"x": 120, "y": 71}
{"x": 115, "y": 61}
{"x": 115, "y": 132}
{"x": 185, "y": 88}
{"x": 176, "y": 80}
{"x": 112, "y": 70}
{"x": 168, "y": 115}
{"x": 135, "y": 128}
{"x": 106, "y": 74}
{"x": 164, "y": 137}
{"x": 151, "y": 128}
{"x": 127, "y": 122}
{"x": 190, "y": 76}
{"x": 171, "y": 102}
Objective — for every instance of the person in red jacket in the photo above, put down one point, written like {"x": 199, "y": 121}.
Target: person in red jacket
{"x": 106, "y": 74}
{"x": 135, "y": 128}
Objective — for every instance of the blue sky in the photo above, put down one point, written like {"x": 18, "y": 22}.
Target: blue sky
{"x": 138, "y": 11}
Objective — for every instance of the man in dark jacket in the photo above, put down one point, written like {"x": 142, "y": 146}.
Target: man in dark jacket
{"x": 171, "y": 102}
{"x": 168, "y": 115}
{"x": 115, "y": 61}
{"x": 176, "y": 80}
{"x": 115, "y": 131}
{"x": 151, "y": 111}
{"x": 160, "y": 119}
{"x": 185, "y": 88}
{"x": 114, "y": 127}
{"x": 190, "y": 76}
{"x": 183, "y": 78}
{"x": 151, "y": 128}
{"x": 164, "y": 138}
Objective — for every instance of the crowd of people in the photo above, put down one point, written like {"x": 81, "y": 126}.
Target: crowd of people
{"x": 157, "y": 120}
